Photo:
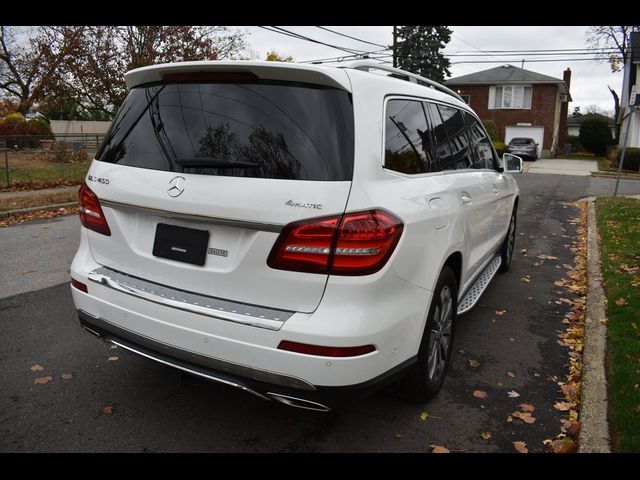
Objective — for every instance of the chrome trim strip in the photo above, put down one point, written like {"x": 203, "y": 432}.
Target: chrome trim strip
{"x": 227, "y": 222}
{"x": 110, "y": 331}
{"x": 253, "y": 315}
{"x": 194, "y": 372}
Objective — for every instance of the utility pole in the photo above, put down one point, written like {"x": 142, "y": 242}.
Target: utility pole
{"x": 395, "y": 46}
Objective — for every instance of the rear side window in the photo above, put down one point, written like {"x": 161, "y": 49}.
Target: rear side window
{"x": 407, "y": 146}
{"x": 481, "y": 148}
{"x": 443, "y": 149}
{"x": 259, "y": 129}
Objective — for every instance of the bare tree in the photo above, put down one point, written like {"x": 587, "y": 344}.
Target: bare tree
{"x": 29, "y": 58}
{"x": 93, "y": 75}
{"x": 612, "y": 42}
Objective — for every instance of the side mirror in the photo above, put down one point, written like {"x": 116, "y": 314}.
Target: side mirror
{"x": 512, "y": 163}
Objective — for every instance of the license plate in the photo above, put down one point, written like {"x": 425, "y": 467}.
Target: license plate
{"x": 181, "y": 244}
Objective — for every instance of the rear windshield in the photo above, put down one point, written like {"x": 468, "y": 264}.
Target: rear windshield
{"x": 249, "y": 129}
{"x": 521, "y": 141}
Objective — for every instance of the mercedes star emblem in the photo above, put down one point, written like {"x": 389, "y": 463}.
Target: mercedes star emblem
{"x": 176, "y": 186}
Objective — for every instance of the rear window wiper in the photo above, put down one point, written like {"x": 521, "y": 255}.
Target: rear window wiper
{"x": 205, "y": 162}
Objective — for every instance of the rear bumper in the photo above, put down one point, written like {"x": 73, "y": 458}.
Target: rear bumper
{"x": 265, "y": 385}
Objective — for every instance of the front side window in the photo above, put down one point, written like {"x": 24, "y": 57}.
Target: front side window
{"x": 482, "y": 151}
{"x": 407, "y": 141}
{"x": 512, "y": 96}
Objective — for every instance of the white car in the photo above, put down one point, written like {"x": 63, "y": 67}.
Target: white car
{"x": 305, "y": 233}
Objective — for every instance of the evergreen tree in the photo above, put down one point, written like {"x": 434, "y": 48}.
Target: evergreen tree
{"x": 418, "y": 50}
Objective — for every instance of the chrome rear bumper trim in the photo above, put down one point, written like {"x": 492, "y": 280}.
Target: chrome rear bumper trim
{"x": 228, "y": 222}
{"x": 174, "y": 356}
{"x": 256, "y": 316}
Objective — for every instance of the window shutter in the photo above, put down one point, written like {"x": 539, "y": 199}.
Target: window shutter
{"x": 492, "y": 98}
{"x": 527, "y": 97}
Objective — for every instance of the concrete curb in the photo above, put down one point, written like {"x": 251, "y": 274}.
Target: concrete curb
{"x": 622, "y": 177}
{"x": 45, "y": 208}
{"x": 594, "y": 427}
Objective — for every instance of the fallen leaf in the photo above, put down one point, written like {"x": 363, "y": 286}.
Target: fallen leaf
{"x": 474, "y": 363}
{"x": 462, "y": 351}
{"x": 511, "y": 374}
{"x": 525, "y": 279}
{"x": 424, "y": 416}
{"x": 562, "y": 406}
{"x": 558, "y": 283}
{"x": 526, "y": 407}
{"x": 113, "y": 359}
{"x": 37, "y": 368}
{"x": 486, "y": 435}
{"x": 620, "y": 302}
{"x": 43, "y": 380}
{"x": 479, "y": 394}
{"x": 573, "y": 429}
{"x": 108, "y": 410}
{"x": 66, "y": 376}
{"x": 439, "y": 449}
{"x": 566, "y": 445}
{"x": 29, "y": 270}
{"x": 524, "y": 416}
{"x": 113, "y": 347}
{"x": 521, "y": 447}
{"x": 397, "y": 436}
{"x": 523, "y": 251}
{"x": 513, "y": 394}
{"x": 500, "y": 312}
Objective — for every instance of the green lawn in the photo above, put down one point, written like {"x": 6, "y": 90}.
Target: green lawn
{"x": 43, "y": 174}
{"x": 619, "y": 226}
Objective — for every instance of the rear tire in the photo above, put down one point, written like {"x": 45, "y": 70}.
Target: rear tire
{"x": 424, "y": 380}
{"x": 506, "y": 251}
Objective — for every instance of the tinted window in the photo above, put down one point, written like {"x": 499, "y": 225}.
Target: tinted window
{"x": 480, "y": 144}
{"x": 521, "y": 141}
{"x": 248, "y": 129}
{"x": 456, "y": 129}
{"x": 407, "y": 138}
{"x": 443, "y": 150}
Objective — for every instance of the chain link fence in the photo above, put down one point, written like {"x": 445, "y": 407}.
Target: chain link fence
{"x": 39, "y": 161}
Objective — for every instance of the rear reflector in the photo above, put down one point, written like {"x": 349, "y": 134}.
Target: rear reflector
{"x": 357, "y": 243}
{"x": 79, "y": 285}
{"x": 91, "y": 214}
{"x": 325, "y": 351}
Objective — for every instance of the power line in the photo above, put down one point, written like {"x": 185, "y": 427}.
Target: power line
{"x": 386, "y": 47}
{"x": 288, "y": 33}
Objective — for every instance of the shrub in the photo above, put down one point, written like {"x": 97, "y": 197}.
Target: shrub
{"x": 574, "y": 141}
{"x": 595, "y": 135}
{"x": 22, "y": 133}
{"x": 500, "y": 147}
{"x": 492, "y": 129}
{"x": 631, "y": 159}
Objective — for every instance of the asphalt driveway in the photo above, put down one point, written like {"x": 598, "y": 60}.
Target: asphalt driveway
{"x": 154, "y": 409}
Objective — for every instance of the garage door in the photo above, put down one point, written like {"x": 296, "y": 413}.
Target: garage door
{"x": 513, "y": 131}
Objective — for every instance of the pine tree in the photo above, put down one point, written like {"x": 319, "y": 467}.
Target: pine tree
{"x": 418, "y": 50}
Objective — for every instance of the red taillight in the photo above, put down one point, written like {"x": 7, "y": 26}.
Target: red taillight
{"x": 325, "y": 351}
{"x": 91, "y": 214}
{"x": 79, "y": 285}
{"x": 357, "y": 243}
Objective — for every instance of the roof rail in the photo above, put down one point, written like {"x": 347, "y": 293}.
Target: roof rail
{"x": 366, "y": 65}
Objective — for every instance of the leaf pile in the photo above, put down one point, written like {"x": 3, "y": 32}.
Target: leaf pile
{"x": 39, "y": 215}
{"x": 573, "y": 338}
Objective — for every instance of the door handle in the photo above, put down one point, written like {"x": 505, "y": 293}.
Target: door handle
{"x": 466, "y": 198}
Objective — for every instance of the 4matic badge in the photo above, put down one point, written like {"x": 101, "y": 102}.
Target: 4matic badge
{"x": 291, "y": 203}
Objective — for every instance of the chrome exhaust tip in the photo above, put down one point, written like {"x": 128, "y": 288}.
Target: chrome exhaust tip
{"x": 298, "y": 402}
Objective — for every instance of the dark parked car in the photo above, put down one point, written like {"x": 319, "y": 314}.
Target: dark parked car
{"x": 527, "y": 148}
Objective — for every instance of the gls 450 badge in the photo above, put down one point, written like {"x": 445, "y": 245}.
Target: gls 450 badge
{"x": 104, "y": 181}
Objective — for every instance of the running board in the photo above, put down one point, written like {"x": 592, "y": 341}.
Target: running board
{"x": 479, "y": 286}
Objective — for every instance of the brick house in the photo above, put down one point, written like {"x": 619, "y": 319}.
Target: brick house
{"x": 521, "y": 102}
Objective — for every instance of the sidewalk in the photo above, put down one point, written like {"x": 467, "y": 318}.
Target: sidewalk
{"x": 558, "y": 166}
{"x": 32, "y": 193}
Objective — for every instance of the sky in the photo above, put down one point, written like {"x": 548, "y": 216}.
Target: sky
{"x": 589, "y": 78}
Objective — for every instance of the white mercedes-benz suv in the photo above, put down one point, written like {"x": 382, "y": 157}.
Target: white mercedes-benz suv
{"x": 302, "y": 232}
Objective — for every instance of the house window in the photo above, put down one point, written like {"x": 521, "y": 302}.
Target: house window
{"x": 466, "y": 99}
{"x": 512, "y": 96}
